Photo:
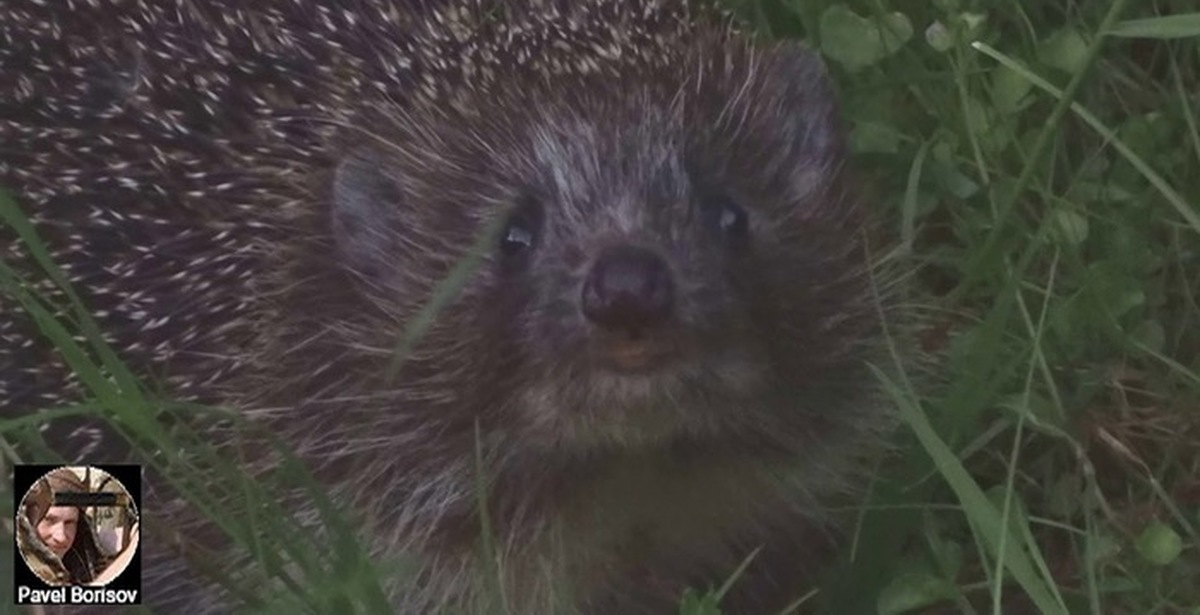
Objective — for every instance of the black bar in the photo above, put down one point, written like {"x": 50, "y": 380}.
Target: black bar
{"x": 85, "y": 499}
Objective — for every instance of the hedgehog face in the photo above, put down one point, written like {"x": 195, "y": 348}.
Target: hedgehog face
{"x": 673, "y": 259}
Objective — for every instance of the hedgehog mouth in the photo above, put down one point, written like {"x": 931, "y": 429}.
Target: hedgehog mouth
{"x": 635, "y": 355}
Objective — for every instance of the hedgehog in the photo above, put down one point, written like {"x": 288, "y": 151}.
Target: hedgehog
{"x": 662, "y": 353}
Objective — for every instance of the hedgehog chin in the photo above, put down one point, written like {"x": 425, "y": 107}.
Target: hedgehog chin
{"x": 636, "y": 368}
{"x": 636, "y": 382}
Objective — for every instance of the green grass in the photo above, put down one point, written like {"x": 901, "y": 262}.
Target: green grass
{"x": 1039, "y": 163}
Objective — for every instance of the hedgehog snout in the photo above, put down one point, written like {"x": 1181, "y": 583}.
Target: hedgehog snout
{"x": 628, "y": 289}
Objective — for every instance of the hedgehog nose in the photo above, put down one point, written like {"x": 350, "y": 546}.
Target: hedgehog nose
{"x": 628, "y": 288}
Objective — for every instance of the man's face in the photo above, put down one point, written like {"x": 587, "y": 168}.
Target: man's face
{"x": 57, "y": 528}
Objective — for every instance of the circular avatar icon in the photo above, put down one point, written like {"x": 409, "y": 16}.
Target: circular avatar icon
{"x": 77, "y": 525}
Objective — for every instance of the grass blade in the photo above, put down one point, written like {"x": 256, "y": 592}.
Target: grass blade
{"x": 1167, "y": 27}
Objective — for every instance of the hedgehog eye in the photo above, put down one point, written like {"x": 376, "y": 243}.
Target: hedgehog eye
{"x": 521, "y": 230}
{"x": 517, "y": 236}
{"x": 731, "y": 220}
{"x": 728, "y": 219}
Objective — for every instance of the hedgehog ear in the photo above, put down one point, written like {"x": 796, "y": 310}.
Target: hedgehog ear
{"x": 366, "y": 198}
{"x": 808, "y": 102}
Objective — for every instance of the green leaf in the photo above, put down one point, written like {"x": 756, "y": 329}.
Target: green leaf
{"x": 1170, "y": 26}
{"x": 1092, "y": 191}
{"x": 1010, "y": 91}
{"x": 912, "y": 591}
{"x": 949, "y": 557}
{"x": 856, "y": 42}
{"x": 972, "y": 21}
{"x": 1151, "y": 335}
{"x": 1068, "y": 228}
{"x": 954, "y": 181}
{"x": 895, "y": 29}
{"x": 1159, "y": 544}
{"x": 1146, "y": 133}
{"x": 848, "y": 38}
{"x": 1065, "y": 50}
{"x": 870, "y": 137}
